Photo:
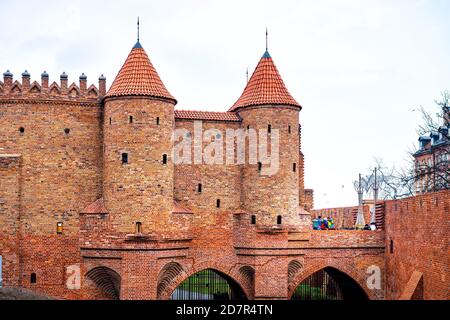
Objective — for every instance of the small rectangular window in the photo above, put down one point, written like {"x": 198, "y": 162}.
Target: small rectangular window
{"x": 199, "y": 188}
{"x": 253, "y": 219}
{"x": 124, "y": 158}
{"x": 289, "y": 129}
{"x": 157, "y": 121}
{"x": 259, "y": 166}
{"x": 138, "y": 227}
{"x": 218, "y": 203}
{"x": 391, "y": 246}
{"x": 279, "y": 220}
{"x": 59, "y": 228}
{"x": 33, "y": 278}
{"x": 164, "y": 159}
{"x": 294, "y": 167}
{"x": 269, "y": 128}
{"x": 131, "y": 119}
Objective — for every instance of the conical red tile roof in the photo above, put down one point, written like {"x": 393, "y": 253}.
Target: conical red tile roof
{"x": 265, "y": 87}
{"x": 138, "y": 77}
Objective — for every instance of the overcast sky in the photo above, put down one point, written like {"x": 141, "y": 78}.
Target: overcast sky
{"x": 358, "y": 67}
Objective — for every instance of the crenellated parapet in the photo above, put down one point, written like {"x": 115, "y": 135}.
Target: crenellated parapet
{"x": 24, "y": 89}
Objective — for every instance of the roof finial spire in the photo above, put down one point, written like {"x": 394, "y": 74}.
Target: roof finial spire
{"x": 138, "y": 29}
{"x": 267, "y": 40}
{"x": 247, "y": 74}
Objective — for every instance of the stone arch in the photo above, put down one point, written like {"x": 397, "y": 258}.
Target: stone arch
{"x": 293, "y": 268}
{"x": 230, "y": 273}
{"x": 346, "y": 270}
{"x": 247, "y": 278}
{"x": 107, "y": 280}
{"x": 168, "y": 273}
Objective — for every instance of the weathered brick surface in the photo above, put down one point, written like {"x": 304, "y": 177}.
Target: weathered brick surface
{"x": 419, "y": 229}
{"x": 50, "y": 175}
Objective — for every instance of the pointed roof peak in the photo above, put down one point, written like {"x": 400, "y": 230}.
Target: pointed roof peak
{"x": 266, "y": 55}
{"x": 265, "y": 87}
{"x": 138, "y": 45}
{"x": 138, "y": 77}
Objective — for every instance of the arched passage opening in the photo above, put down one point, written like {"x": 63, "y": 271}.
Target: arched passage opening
{"x": 107, "y": 280}
{"x": 209, "y": 284}
{"x": 329, "y": 284}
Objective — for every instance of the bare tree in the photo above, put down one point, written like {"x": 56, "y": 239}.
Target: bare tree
{"x": 427, "y": 169}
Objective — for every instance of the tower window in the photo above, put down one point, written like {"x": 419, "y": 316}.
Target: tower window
{"x": 391, "y": 246}
{"x": 253, "y": 219}
{"x": 66, "y": 130}
{"x": 294, "y": 167}
{"x": 124, "y": 158}
{"x": 157, "y": 121}
{"x": 279, "y": 220}
{"x": 199, "y": 188}
{"x": 164, "y": 160}
{"x": 269, "y": 128}
{"x": 110, "y": 121}
{"x": 248, "y": 127}
{"x": 259, "y": 166}
{"x": 289, "y": 129}
{"x": 21, "y": 129}
{"x": 131, "y": 119}
{"x": 33, "y": 278}
{"x": 218, "y": 203}
{"x": 138, "y": 227}
{"x": 59, "y": 228}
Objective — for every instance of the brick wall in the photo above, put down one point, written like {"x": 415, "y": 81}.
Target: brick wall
{"x": 419, "y": 229}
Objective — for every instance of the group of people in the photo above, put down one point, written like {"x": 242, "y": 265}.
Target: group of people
{"x": 323, "y": 224}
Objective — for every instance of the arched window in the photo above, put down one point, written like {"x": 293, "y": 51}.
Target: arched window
{"x": 164, "y": 159}
{"x": 279, "y": 219}
{"x": 33, "y": 278}
{"x": 124, "y": 158}
{"x": 138, "y": 228}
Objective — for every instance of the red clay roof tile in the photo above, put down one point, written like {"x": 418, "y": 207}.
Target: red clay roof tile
{"x": 138, "y": 77}
{"x": 265, "y": 87}
{"x": 206, "y": 115}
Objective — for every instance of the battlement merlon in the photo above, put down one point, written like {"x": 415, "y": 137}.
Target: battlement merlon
{"x": 15, "y": 89}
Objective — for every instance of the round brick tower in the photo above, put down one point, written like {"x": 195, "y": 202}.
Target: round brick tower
{"x": 138, "y": 169}
{"x": 271, "y": 191}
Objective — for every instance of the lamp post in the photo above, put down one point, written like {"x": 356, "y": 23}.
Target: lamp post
{"x": 360, "y": 223}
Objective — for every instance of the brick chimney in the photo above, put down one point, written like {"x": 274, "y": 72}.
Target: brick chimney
{"x": 7, "y": 79}
{"x": 25, "y": 81}
{"x": 64, "y": 81}
{"x": 102, "y": 85}
{"x": 83, "y": 83}
{"x": 44, "y": 80}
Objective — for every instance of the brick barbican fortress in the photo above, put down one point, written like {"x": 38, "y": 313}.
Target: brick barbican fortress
{"x": 92, "y": 205}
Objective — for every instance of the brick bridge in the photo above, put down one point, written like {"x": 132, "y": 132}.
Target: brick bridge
{"x": 262, "y": 263}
